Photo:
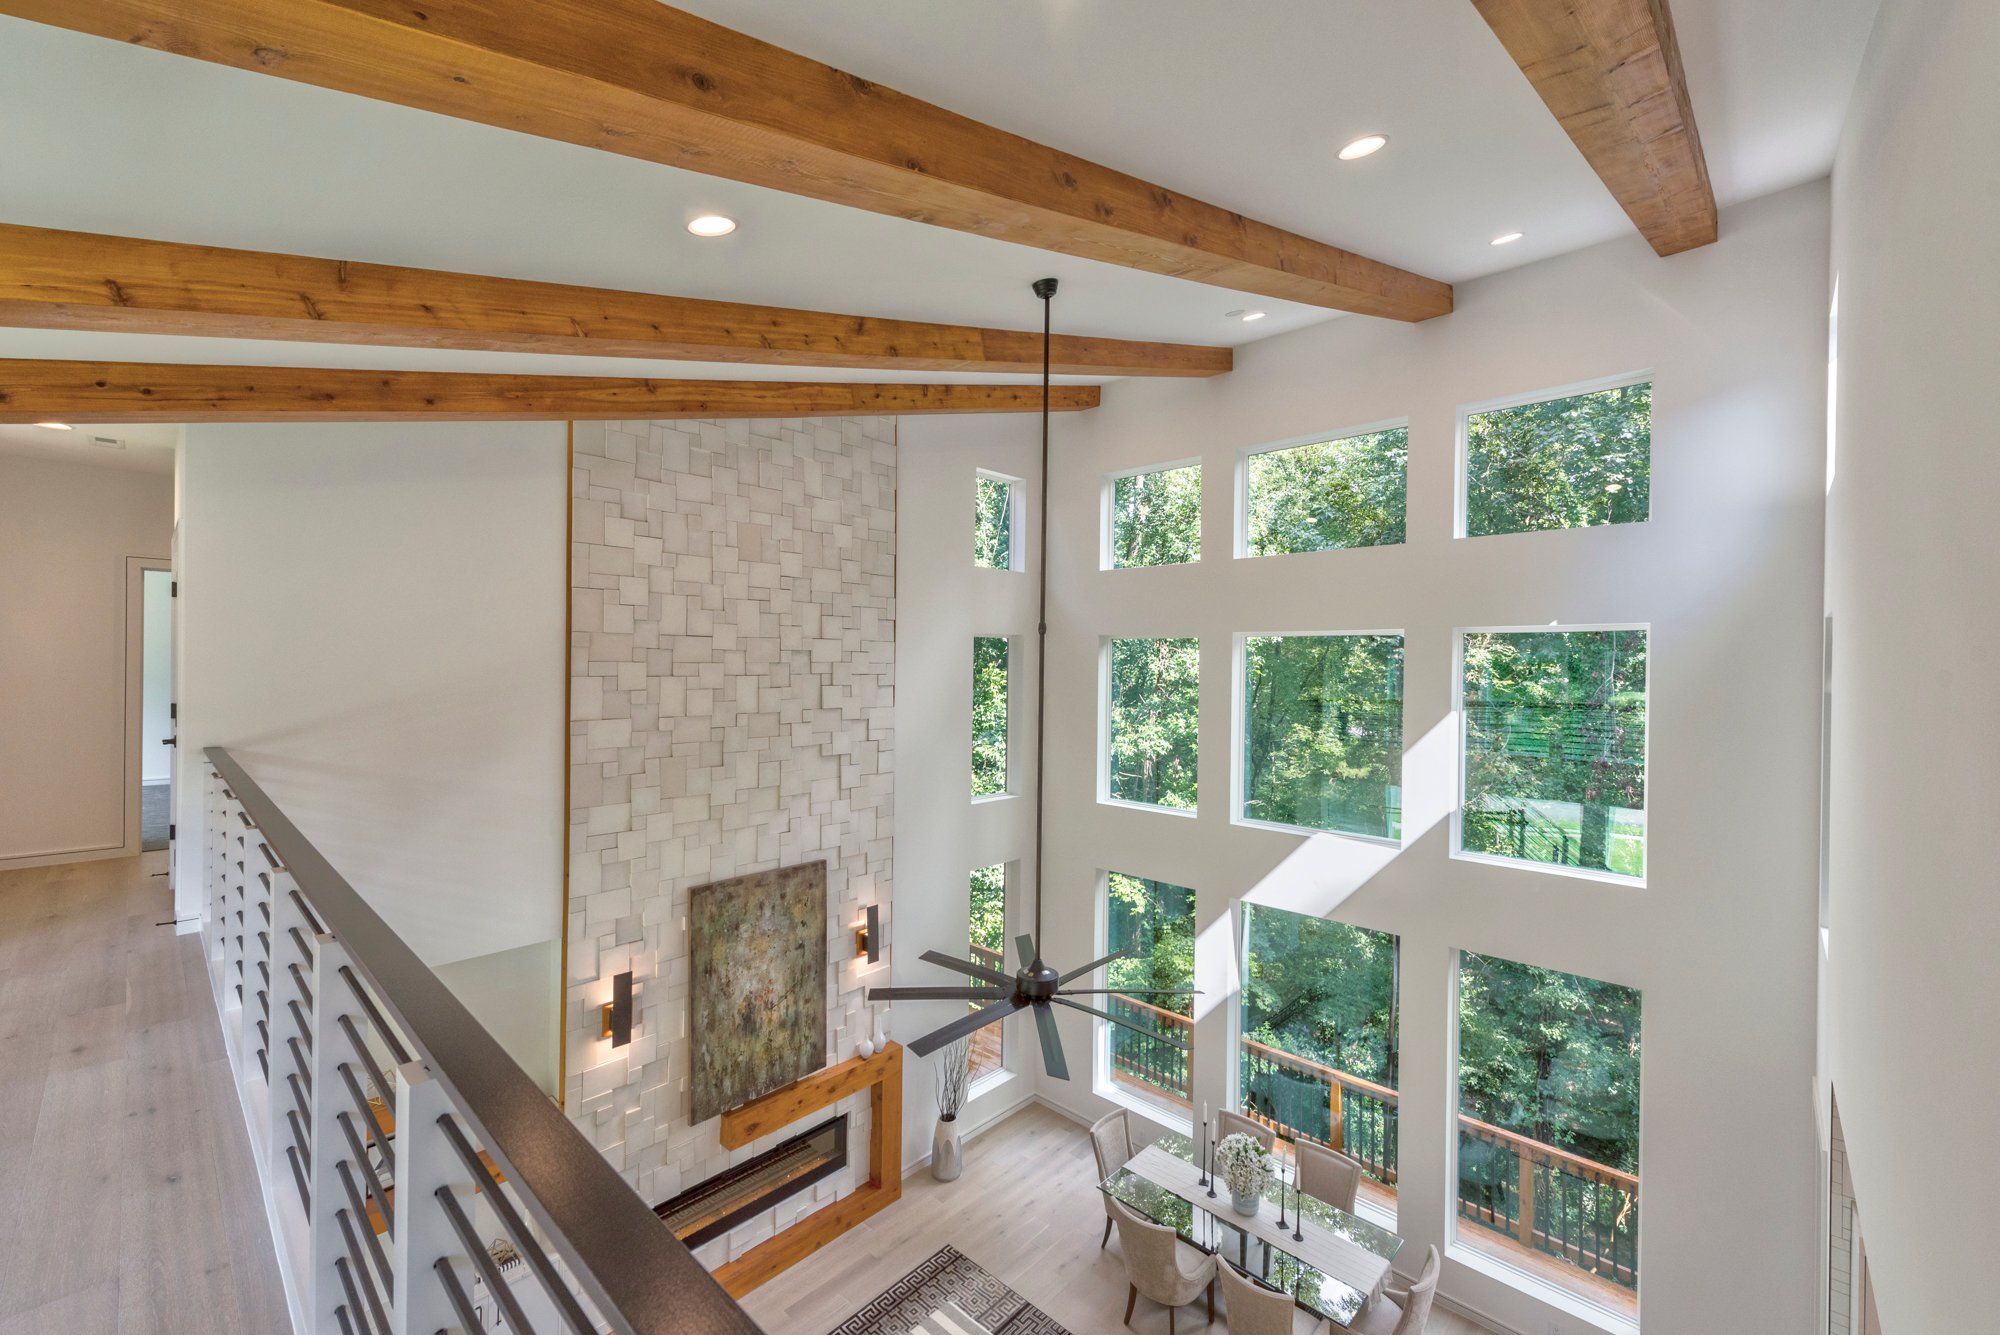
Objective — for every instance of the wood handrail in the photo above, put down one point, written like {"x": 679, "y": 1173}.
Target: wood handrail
{"x": 1175, "y": 1017}
{"x": 1354, "y": 1082}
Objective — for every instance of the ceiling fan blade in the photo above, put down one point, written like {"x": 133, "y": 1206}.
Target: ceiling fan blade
{"x": 1131, "y": 991}
{"x": 957, "y": 1029}
{"x": 952, "y": 962}
{"x": 936, "y": 994}
{"x": 1078, "y": 973}
{"x": 1025, "y": 944}
{"x": 1126, "y": 1024}
{"x": 1052, "y": 1053}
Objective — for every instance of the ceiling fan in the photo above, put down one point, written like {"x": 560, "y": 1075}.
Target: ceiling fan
{"x": 1035, "y": 986}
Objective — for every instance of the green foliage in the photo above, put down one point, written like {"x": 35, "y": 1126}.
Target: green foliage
{"x": 1555, "y": 747}
{"x": 1156, "y": 518}
{"x": 1321, "y": 990}
{"x": 1335, "y": 493}
{"x": 1155, "y": 920}
{"x": 987, "y": 924}
{"x": 1155, "y": 690}
{"x": 1561, "y": 463}
{"x": 989, "y": 715}
{"x": 993, "y": 524}
{"x": 1323, "y": 739}
{"x": 1552, "y": 1056}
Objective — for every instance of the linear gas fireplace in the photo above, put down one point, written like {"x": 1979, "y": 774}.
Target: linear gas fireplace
{"x": 714, "y": 1207}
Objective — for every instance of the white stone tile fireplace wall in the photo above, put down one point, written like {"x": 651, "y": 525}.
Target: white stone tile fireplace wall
{"x": 732, "y": 650}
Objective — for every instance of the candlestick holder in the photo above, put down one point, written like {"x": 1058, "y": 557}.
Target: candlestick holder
{"x": 1211, "y": 1171}
{"x": 1201, "y": 1156}
{"x": 1281, "y": 1197}
{"x": 1298, "y": 1217}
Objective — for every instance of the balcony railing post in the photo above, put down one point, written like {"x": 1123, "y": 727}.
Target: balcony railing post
{"x": 425, "y": 1164}
{"x": 324, "y": 1296}
{"x": 1337, "y": 1127}
{"x": 1527, "y": 1195}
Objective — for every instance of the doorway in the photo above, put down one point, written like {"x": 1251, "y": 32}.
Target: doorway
{"x": 156, "y": 712}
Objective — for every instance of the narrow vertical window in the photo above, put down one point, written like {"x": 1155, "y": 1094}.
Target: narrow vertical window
{"x": 1323, "y": 732}
{"x": 1154, "y": 712}
{"x": 1153, "y": 921}
{"x": 1548, "y": 1127}
{"x": 996, "y": 506}
{"x": 1560, "y": 463}
{"x": 1328, "y": 494}
{"x": 1155, "y": 518}
{"x": 990, "y": 661}
{"x": 1555, "y": 747}
{"x": 986, "y": 936}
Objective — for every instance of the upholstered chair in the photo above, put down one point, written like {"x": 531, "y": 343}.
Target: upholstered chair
{"x": 1111, "y": 1142}
{"x": 1403, "y": 1311}
{"x": 1248, "y": 1308}
{"x": 1229, "y": 1123}
{"x": 1154, "y": 1265}
{"x": 1328, "y": 1175}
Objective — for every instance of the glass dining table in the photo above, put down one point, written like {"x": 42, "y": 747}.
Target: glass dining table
{"x": 1214, "y": 1228}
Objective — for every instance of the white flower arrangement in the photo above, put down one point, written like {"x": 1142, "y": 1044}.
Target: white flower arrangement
{"x": 1244, "y": 1164}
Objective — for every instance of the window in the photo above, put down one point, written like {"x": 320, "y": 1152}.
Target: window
{"x": 996, "y": 507}
{"x": 1548, "y": 1126}
{"x": 1318, "y": 1054}
{"x": 1155, "y": 921}
{"x": 1555, "y": 747}
{"x": 1323, "y": 732}
{"x": 1560, "y": 463}
{"x": 1328, "y": 494}
{"x": 1154, "y": 709}
{"x": 986, "y": 937}
{"x": 990, "y": 660}
{"x": 1155, "y": 518}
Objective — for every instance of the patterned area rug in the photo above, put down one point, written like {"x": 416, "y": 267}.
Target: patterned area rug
{"x": 948, "y": 1278}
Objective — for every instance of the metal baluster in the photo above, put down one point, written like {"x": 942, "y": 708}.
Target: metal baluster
{"x": 324, "y": 1289}
{"x": 517, "y": 1228}
{"x": 425, "y": 1166}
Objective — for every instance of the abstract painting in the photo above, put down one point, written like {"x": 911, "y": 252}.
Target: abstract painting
{"x": 757, "y": 984}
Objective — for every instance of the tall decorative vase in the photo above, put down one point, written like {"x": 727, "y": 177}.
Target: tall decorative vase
{"x": 1245, "y": 1203}
{"x": 947, "y": 1159}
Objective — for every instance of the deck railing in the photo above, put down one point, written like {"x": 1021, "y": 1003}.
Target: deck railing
{"x": 1154, "y": 1053}
{"x": 416, "y": 1179}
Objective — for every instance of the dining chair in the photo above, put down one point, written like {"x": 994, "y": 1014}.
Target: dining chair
{"x": 1153, "y": 1267}
{"x": 1229, "y": 1123}
{"x": 1403, "y": 1311}
{"x": 1250, "y": 1308}
{"x": 1111, "y": 1142}
{"x": 1328, "y": 1175}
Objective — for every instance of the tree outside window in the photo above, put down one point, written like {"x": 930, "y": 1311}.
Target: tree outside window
{"x": 987, "y": 935}
{"x": 1156, "y": 517}
{"x": 1562, "y": 463}
{"x": 1323, "y": 732}
{"x": 993, "y": 523}
{"x": 1155, "y": 921}
{"x": 1154, "y": 713}
{"x": 990, "y": 661}
{"x": 1329, "y": 494}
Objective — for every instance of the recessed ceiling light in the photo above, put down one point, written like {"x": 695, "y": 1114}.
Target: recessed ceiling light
{"x": 1362, "y": 147}
{"x": 55, "y": 426}
{"x": 1245, "y": 316}
{"x": 712, "y": 224}
{"x": 1505, "y": 239}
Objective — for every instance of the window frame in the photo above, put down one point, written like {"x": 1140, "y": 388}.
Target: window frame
{"x": 1104, "y": 761}
{"x": 1241, "y": 549}
{"x": 1007, "y": 786}
{"x": 1017, "y": 507}
{"x": 1159, "y": 1109}
{"x": 1462, "y": 454}
{"x": 1010, "y": 876}
{"x": 1239, "y": 731}
{"x": 1456, "y": 848}
{"x": 1107, "y": 511}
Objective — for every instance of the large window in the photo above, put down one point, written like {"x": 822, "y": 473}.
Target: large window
{"x": 1323, "y": 732}
{"x": 1328, "y": 494}
{"x": 996, "y": 507}
{"x": 1155, "y": 922}
{"x": 1318, "y": 1053}
{"x": 1548, "y": 1126}
{"x": 1560, "y": 463}
{"x": 990, "y": 659}
{"x": 1555, "y": 747}
{"x": 1155, "y": 518}
{"x": 987, "y": 939}
{"x": 1153, "y": 712}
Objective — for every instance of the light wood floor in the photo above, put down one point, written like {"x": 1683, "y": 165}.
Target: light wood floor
{"x": 128, "y": 1201}
{"x": 1027, "y": 1209}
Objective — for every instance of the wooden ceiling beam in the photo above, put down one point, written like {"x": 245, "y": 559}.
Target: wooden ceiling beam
{"x": 638, "y": 78}
{"x": 78, "y": 280}
{"x": 54, "y": 391}
{"x": 1611, "y": 72}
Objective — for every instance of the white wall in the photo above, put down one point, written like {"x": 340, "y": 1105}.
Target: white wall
{"x": 156, "y": 762}
{"x": 1727, "y": 575}
{"x": 941, "y": 834}
{"x": 1913, "y": 551}
{"x": 65, "y": 533}
{"x": 372, "y": 621}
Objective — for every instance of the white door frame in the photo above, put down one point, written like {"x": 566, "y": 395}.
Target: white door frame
{"x": 135, "y": 689}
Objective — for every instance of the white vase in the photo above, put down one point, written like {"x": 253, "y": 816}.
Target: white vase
{"x": 1245, "y": 1203}
{"x": 864, "y": 1049}
{"x": 881, "y": 1034}
{"x": 947, "y": 1156}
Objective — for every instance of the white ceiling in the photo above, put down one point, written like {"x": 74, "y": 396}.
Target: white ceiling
{"x": 147, "y": 448}
{"x": 1244, "y": 107}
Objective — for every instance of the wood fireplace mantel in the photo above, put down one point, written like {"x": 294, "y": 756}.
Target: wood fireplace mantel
{"x": 882, "y": 1076}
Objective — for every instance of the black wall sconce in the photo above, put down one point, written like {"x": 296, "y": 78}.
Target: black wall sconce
{"x": 868, "y": 937}
{"x": 618, "y": 1011}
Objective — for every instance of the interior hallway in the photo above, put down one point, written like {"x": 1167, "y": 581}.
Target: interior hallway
{"x": 128, "y": 1202}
